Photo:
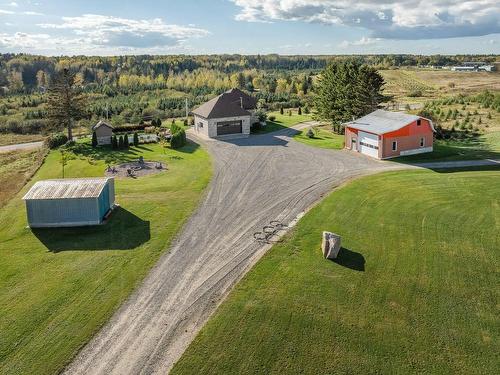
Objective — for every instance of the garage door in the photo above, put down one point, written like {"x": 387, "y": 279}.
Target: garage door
{"x": 228, "y": 127}
{"x": 368, "y": 144}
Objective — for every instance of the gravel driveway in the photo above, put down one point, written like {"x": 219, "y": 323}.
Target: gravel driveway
{"x": 259, "y": 183}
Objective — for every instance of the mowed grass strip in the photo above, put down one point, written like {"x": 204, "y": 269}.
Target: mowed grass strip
{"x": 59, "y": 286}
{"x": 323, "y": 138}
{"x": 415, "y": 290}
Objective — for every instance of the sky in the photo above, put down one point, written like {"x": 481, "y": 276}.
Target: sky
{"x": 110, "y": 27}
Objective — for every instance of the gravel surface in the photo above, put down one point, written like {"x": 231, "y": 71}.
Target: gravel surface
{"x": 260, "y": 184}
{"x": 21, "y": 146}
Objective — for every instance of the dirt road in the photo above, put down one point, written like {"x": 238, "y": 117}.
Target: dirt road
{"x": 259, "y": 183}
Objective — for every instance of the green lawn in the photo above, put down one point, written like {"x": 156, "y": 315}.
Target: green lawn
{"x": 283, "y": 121}
{"x": 322, "y": 139}
{"x": 415, "y": 289}
{"x": 486, "y": 146}
{"x": 58, "y": 286}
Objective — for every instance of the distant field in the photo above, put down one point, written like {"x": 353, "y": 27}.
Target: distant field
{"x": 59, "y": 286}
{"x": 11, "y": 138}
{"x": 414, "y": 291}
{"x": 284, "y": 121}
{"x": 436, "y": 83}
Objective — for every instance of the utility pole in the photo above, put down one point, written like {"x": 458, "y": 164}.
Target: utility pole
{"x": 187, "y": 110}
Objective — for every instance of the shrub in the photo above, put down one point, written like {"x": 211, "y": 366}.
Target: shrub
{"x": 136, "y": 139}
{"x": 257, "y": 126}
{"x": 120, "y": 141}
{"x": 114, "y": 142}
{"x": 174, "y": 128}
{"x": 178, "y": 139}
{"x": 94, "y": 139}
{"x": 281, "y": 110}
{"x": 272, "y": 118}
{"x": 125, "y": 141}
{"x": 261, "y": 115}
{"x": 191, "y": 121}
{"x": 56, "y": 140}
{"x": 307, "y": 110}
{"x": 185, "y": 122}
{"x": 299, "y": 111}
{"x": 289, "y": 112}
{"x": 415, "y": 93}
{"x": 310, "y": 133}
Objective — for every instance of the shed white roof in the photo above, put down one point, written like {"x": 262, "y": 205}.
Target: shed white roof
{"x": 67, "y": 188}
{"x": 380, "y": 121}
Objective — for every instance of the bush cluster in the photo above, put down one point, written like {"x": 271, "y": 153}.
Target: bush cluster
{"x": 56, "y": 140}
{"x": 178, "y": 136}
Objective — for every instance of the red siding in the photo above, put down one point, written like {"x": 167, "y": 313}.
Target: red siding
{"x": 407, "y": 138}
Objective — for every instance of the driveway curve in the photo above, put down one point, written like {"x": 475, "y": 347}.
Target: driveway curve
{"x": 259, "y": 183}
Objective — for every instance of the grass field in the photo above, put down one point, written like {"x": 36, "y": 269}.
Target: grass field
{"x": 16, "y": 168}
{"x": 283, "y": 121}
{"x": 11, "y": 138}
{"x": 436, "y": 84}
{"x": 59, "y": 286}
{"x": 415, "y": 289}
{"x": 323, "y": 138}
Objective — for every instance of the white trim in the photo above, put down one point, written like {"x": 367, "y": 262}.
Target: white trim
{"x": 394, "y": 143}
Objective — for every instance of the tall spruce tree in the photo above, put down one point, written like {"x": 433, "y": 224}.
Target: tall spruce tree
{"x": 347, "y": 90}
{"x": 65, "y": 102}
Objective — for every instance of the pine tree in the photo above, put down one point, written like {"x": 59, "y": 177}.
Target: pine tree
{"x": 125, "y": 141}
{"x": 65, "y": 102}
{"x": 120, "y": 141}
{"x": 136, "y": 139}
{"x": 94, "y": 139}
{"x": 281, "y": 110}
{"x": 299, "y": 111}
{"x": 114, "y": 142}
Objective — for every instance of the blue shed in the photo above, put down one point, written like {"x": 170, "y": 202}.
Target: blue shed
{"x": 69, "y": 202}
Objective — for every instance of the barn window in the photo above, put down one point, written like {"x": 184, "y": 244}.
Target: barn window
{"x": 419, "y": 122}
{"x": 422, "y": 142}
{"x": 394, "y": 146}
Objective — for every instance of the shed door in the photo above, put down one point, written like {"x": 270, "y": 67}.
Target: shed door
{"x": 368, "y": 144}
{"x": 228, "y": 127}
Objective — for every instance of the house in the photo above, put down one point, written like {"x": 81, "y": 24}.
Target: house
{"x": 229, "y": 114}
{"x": 69, "y": 202}
{"x": 103, "y": 132}
{"x": 384, "y": 134}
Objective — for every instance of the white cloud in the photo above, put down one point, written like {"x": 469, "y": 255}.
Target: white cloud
{"x": 6, "y": 12}
{"x": 13, "y": 4}
{"x": 391, "y": 19}
{"x": 127, "y": 33}
{"x": 364, "y": 41}
{"x": 31, "y": 13}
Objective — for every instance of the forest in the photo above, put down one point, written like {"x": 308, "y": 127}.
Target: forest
{"x": 128, "y": 89}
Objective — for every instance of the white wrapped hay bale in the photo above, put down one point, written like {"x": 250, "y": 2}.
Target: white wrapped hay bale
{"x": 330, "y": 245}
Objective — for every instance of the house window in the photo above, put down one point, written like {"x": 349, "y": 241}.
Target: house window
{"x": 394, "y": 145}
{"x": 200, "y": 124}
{"x": 422, "y": 142}
{"x": 419, "y": 122}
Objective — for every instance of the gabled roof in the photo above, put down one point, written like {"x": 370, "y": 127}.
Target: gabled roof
{"x": 228, "y": 104}
{"x": 381, "y": 122}
{"x": 67, "y": 188}
{"x": 101, "y": 123}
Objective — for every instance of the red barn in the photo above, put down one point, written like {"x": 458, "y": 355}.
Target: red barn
{"x": 383, "y": 134}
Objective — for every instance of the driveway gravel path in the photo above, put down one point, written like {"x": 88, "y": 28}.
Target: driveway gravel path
{"x": 21, "y": 146}
{"x": 260, "y": 184}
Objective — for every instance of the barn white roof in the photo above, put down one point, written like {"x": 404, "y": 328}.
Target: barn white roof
{"x": 67, "y": 188}
{"x": 380, "y": 121}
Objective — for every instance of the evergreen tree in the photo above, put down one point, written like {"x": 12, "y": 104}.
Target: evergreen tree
{"x": 281, "y": 110}
{"x": 114, "y": 142}
{"x": 94, "y": 139}
{"x": 125, "y": 141}
{"x": 65, "y": 102}
{"x": 136, "y": 139}
{"x": 348, "y": 90}
{"x": 299, "y": 111}
{"x": 120, "y": 141}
